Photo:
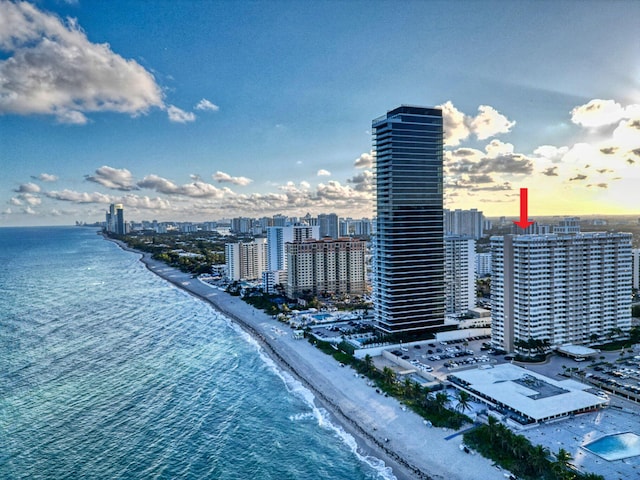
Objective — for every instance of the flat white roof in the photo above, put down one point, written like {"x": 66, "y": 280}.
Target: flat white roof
{"x": 577, "y": 350}
{"x": 529, "y": 393}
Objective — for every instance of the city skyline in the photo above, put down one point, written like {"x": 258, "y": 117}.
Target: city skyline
{"x": 199, "y": 111}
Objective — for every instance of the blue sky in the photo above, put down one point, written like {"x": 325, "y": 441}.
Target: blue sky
{"x": 201, "y": 110}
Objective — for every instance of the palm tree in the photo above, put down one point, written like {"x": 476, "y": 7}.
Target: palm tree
{"x": 368, "y": 363}
{"x": 464, "y": 401}
{"x": 538, "y": 459}
{"x": 408, "y": 387}
{"x": 388, "y": 376}
{"x": 441, "y": 400}
{"x": 562, "y": 463}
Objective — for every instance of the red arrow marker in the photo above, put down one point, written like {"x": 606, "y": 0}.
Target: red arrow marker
{"x": 524, "y": 217}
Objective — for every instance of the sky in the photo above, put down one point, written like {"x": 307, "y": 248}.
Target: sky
{"x": 204, "y": 110}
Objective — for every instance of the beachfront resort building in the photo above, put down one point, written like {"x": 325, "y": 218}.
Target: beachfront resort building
{"x": 326, "y": 267}
{"x": 565, "y": 289}
{"x": 115, "y": 219}
{"x": 409, "y": 260}
{"x": 524, "y": 396}
{"x": 246, "y": 260}
{"x": 460, "y": 275}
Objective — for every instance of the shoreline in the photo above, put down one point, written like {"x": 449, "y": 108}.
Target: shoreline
{"x": 371, "y": 419}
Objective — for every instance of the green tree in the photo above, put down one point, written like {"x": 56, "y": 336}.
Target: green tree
{"x": 368, "y": 363}
{"x": 388, "y": 376}
{"x": 464, "y": 401}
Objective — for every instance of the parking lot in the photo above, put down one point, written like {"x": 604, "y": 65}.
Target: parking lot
{"x": 440, "y": 358}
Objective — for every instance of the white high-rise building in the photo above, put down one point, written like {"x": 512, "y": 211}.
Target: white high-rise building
{"x": 326, "y": 267}
{"x": 483, "y": 264}
{"x": 277, "y": 237}
{"x": 246, "y": 261}
{"x": 565, "y": 289}
{"x": 459, "y": 274}
{"x": 464, "y": 222}
{"x": 635, "y": 278}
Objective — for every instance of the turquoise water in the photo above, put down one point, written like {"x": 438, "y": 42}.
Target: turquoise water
{"x": 321, "y": 316}
{"x": 109, "y": 372}
{"x": 616, "y": 447}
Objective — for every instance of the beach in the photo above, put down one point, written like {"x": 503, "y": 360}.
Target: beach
{"x": 381, "y": 426}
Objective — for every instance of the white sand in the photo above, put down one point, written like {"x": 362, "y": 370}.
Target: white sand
{"x": 412, "y": 450}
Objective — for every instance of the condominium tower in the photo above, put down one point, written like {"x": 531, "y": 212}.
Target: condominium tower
{"x": 326, "y": 267}
{"x": 246, "y": 260}
{"x": 460, "y": 274}
{"x": 409, "y": 261}
{"x": 566, "y": 289}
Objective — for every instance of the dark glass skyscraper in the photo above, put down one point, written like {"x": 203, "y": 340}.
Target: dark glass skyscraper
{"x": 409, "y": 262}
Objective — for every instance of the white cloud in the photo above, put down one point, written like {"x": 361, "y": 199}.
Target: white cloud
{"x": 364, "y": 161}
{"x": 46, "y": 177}
{"x": 489, "y": 122}
{"x": 597, "y": 113}
{"x": 28, "y": 188}
{"x": 31, "y": 199}
{"x": 455, "y": 124}
{"x": 177, "y": 115}
{"x": 197, "y": 189}
{"x": 459, "y": 126}
{"x": 205, "y": 104}
{"x": 222, "y": 177}
{"x": 553, "y": 154}
{"x": 80, "y": 197}
{"x": 51, "y": 68}
{"x": 323, "y": 173}
{"x": 114, "y": 178}
{"x": 15, "y": 201}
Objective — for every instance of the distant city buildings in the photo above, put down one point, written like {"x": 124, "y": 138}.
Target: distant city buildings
{"x": 469, "y": 223}
{"x": 565, "y": 289}
{"x": 409, "y": 261}
{"x": 328, "y": 224}
{"x": 278, "y": 237}
{"x": 246, "y": 260}
{"x": 326, "y": 267}
{"x": 460, "y": 276}
{"x": 115, "y": 219}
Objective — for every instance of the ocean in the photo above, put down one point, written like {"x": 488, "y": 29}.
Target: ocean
{"x": 109, "y": 372}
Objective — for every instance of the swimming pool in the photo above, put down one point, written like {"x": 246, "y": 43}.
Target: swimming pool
{"x": 616, "y": 447}
{"x": 321, "y": 316}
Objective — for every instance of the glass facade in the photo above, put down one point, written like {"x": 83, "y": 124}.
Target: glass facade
{"x": 409, "y": 264}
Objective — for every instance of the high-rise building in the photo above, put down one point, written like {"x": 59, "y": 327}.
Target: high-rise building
{"x": 328, "y": 223}
{"x": 566, "y": 289}
{"x": 246, "y": 260}
{"x": 635, "y": 278}
{"x": 326, "y": 267}
{"x": 459, "y": 274}
{"x": 483, "y": 264}
{"x": 277, "y": 238}
{"x": 115, "y": 219}
{"x": 409, "y": 263}
{"x": 464, "y": 222}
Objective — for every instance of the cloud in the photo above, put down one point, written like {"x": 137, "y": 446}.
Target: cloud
{"x": 363, "y": 182}
{"x": 205, "y": 104}
{"x": 51, "y": 68}
{"x": 459, "y": 126}
{"x": 114, "y": 178}
{"x": 551, "y": 153}
{"x": 364, "y": 161}
{"x": 609, "y": 150}
{"x": 550, "y": 171}
{"x": 28, "y": 188}
{"x": 579, "y": 176}
{"x": 197, "y": 189}
{"x": 80, "y": 197}
{"x": 30, "y": 199}
{"x": 222, "y": 177}
{"x": 490, "y": 122}
{"x": 46, "y": 177}
{"x": 323, "y": 173}
{"x": 598, "y": 113}
{"x": 177, "y": 115}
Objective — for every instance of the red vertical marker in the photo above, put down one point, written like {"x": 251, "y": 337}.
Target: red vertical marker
{"x": 524, "y": 215}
